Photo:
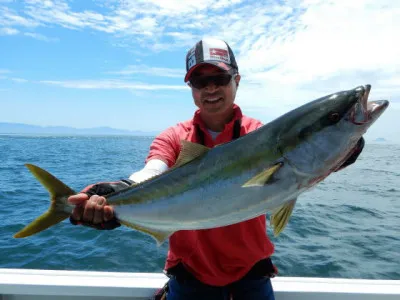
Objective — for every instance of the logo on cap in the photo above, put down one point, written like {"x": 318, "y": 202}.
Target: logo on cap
{"x": 191, "y": 58}
{"x": 219, "y": 54}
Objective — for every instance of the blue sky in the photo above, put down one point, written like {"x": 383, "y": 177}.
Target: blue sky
{"x": 121, "y": 63}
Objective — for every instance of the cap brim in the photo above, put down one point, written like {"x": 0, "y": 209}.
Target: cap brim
{"x": 220, "y": 65}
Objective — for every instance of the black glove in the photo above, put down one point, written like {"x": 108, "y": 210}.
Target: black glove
{"x": 353, "y": 157}
{"x": 103, "y": 189}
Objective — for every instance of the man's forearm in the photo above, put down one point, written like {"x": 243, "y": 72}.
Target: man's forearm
{"x": 153, "y": 168}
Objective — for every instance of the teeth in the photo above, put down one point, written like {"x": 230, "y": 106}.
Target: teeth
{"x": 212, "y": 100}
{"x": 360, "y": 113}
{"x": 364, "y": 100}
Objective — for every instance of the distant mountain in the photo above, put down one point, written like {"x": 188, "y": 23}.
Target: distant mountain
{"x": 380, "y": 140}
{"x": 19, "y": 128}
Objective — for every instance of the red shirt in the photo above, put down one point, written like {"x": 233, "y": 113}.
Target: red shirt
{"x": 222, "y": 255}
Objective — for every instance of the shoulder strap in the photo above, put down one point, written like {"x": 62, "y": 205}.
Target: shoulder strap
{"x": 236, "y": 131}
{"x": 200, "y": 134}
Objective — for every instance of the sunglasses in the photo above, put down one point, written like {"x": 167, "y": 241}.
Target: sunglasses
{"x": 200, "y": 82}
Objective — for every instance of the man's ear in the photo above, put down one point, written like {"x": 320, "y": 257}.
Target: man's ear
{"x": 237, "y": 80}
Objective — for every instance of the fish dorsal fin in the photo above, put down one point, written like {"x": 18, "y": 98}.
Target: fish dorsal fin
{"x": 159, "y": 236}
{"x": 189, "y": 152}
{"x": 264, "y": 177}
{"x": 281, "y": 216}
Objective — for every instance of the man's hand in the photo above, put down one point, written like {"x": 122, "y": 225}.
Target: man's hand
{"x": 91, "y": 209}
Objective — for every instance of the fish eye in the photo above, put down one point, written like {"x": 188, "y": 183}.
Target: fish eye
{"x": 334, "y": 117}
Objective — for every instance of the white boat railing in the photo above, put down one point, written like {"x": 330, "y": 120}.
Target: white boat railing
{"x": 24, "y": 284}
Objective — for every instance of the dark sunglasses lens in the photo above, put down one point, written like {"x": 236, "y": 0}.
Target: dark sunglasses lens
{"x": 200, "y": 82}
{"x": 222, "y": 79}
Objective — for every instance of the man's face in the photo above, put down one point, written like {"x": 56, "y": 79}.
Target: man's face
{"x": 214, "y": 99}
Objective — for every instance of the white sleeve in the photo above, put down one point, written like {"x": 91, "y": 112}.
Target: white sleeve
{"x": 152, "y": 168}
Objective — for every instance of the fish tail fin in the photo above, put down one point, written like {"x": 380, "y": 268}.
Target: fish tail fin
{"x": 56, "y": 213}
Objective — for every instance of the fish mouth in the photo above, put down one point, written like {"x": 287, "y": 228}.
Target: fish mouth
{"x": 365, "y": 111}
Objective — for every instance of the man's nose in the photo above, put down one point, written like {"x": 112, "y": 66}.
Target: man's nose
{"x": 210, "y": 87}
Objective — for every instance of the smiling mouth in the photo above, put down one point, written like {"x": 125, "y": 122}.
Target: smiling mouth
{"x": 213, "y": 100}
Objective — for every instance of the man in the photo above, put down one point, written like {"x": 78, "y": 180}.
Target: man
{"x": 230, "y": 262}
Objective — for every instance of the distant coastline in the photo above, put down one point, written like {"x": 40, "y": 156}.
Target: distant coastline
{"x": 20, "y": 129}
{"x": 27, "y": 129}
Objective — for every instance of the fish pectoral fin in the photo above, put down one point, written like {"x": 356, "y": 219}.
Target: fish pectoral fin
{"x": 158, "y": 235}
{"x": 264, "y": 177}
{"x": 189, "y": 152}
{"x": 281, "y": 216}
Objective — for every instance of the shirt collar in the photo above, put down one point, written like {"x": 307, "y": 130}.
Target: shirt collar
{"x": 237, "y": 114}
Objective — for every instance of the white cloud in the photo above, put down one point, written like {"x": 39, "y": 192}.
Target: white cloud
{"x": 10, "y": 18}
{"x": 40, "y": 37}
{"x": 331, "y": 46}
{"x": 8, "y": 31}
{"x": 152, "y": 71}
{"x": 19, "y": 80}
{"x": 111, "y": 84}
{"x": 3, "y": 72}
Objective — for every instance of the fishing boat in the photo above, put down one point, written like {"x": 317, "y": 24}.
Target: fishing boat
{"x": 26, "y": 284}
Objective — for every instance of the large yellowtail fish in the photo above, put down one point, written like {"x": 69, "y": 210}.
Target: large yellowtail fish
{"x": 262, "y": 172}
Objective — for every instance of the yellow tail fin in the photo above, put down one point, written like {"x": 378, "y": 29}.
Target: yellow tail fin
{"x": 59, "y": 192}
